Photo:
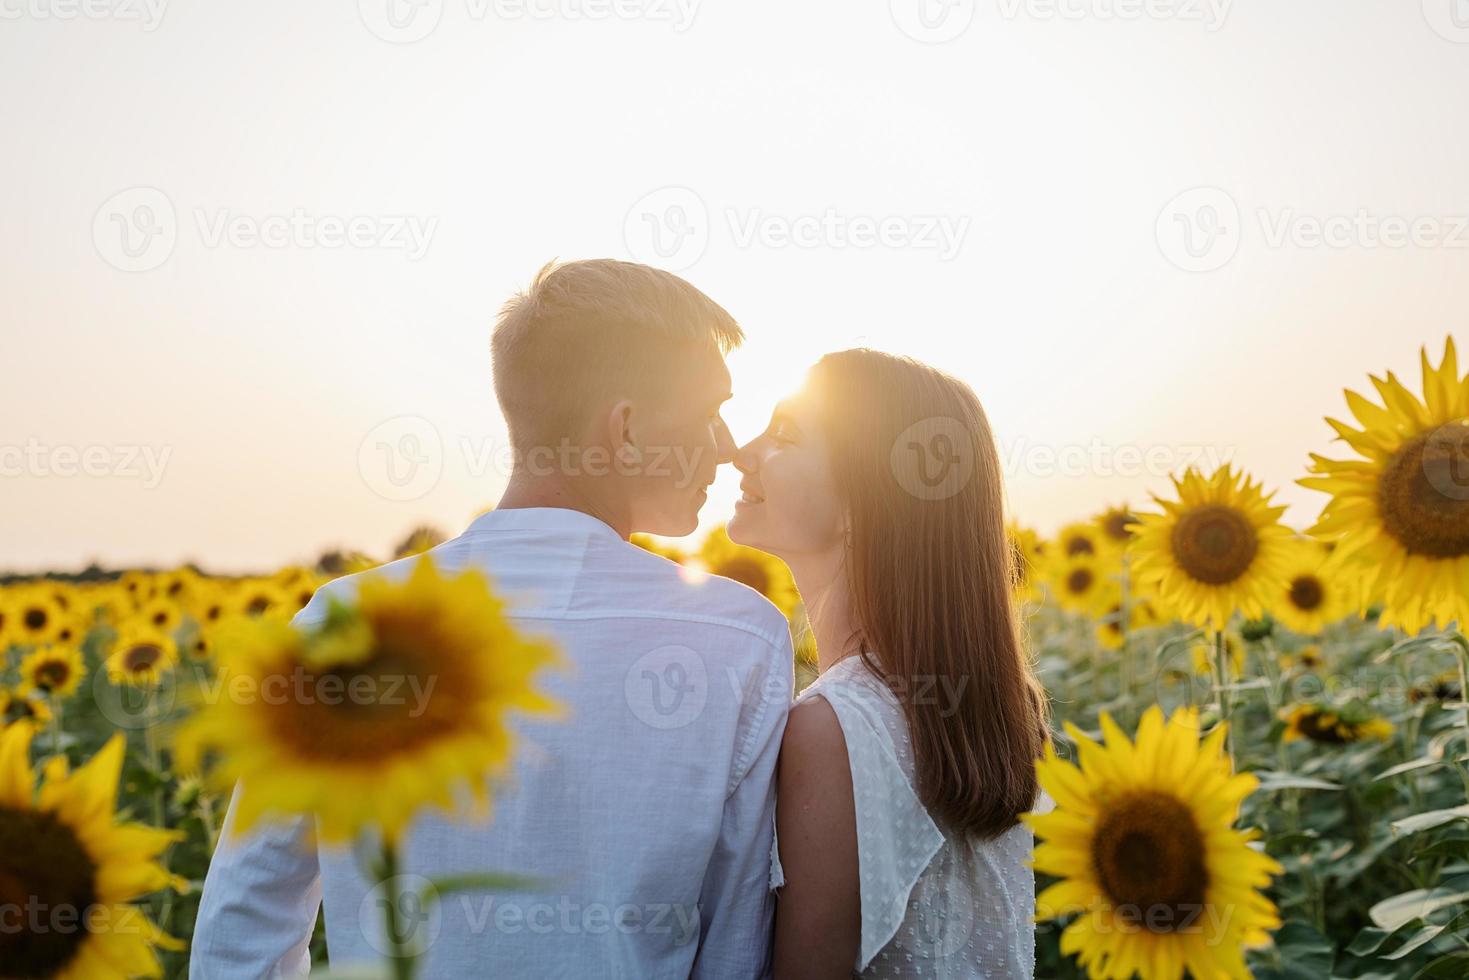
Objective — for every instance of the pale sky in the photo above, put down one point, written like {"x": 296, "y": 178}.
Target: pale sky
{"x": 249, "y": 249}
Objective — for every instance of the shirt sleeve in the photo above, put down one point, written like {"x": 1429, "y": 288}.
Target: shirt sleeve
{"x": 896, "y": 838}
{"x": 259, "y": 904}
{"x": 736, "y": 906}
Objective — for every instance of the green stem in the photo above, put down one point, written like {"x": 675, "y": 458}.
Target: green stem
{"x": 1226, "y": 703}
{"x": 401, "y": 959}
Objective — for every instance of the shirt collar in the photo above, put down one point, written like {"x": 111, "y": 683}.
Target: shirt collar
{"x": 541, "y": 519}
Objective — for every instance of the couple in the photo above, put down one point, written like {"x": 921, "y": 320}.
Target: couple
{"x": 685, "y": 818}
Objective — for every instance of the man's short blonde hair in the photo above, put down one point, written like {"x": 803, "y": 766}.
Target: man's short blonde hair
{"x": 586, "y": 332}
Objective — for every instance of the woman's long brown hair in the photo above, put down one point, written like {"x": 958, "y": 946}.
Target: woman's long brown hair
{"x": 930, "y": 569}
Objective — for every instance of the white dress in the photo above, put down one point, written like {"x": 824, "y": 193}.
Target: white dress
{"x": 933, "y": 906}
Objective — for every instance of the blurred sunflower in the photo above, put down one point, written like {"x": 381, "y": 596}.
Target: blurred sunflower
{"x": 1307, "y": 657}
{"x": 209, "y": 604}
{"x": 1203, "y": 654}
{"x": 1142, "y": 837}
{"x": 1333, "y": 726}
{"x": 56, "y": 671}
{"x": 137, "y": 587}
{"x": 163, "y": 615}
{"x": 37, "y": 615}
{"x": 6, "y": 619}
{"x": 141, "y": 656}
{"x": 649, "y": 543}
{"x": 260, "y": 599}
{"x": 1218, "y": 548}
{"x": 1400, "y": 514}
{"x": 1025, "y": 547}
{"x": 1314, "y": 594}
{"x": 764, "y": 573}
{"x": 15, "y": 706}
{"x": 1082, "y": 539}
{"x": 62, "y": 850}
{"x": 1444, "y": 687}
{"x": 1078, "y": 583}
{"x": 1109, "y": 628}
{"x": 1116, "y": 526}
{"x": 433, "y": 667}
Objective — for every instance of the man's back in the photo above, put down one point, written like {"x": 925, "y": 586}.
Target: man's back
{"x": 645, "y": 813}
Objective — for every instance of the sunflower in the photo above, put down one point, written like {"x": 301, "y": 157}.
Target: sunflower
{"x": 1082, "y": 539}
{"x": 1315, "y": 593}
{"x": 649, "y": 543}
{"x": 1444, "y": 687}
{"x": 62, "y": 854}
{"x": 1025, "y": 548}
{"x": 1079, "y": 583}
{"x": 1218, "y": 548}
{"x": 163, "y": 615}
{"x": 764, "y": 573}
{"x": 393, "y": 702}
{"x": 1333, "y": 726}
{"x": 1109, "y": 629}
{"x": 1400, "y": 514}
{"x": 1307, "y": 657}
{"x": 15, "y": 706}
{"x": 260, "y": 599}
{"x": 1143, "y": 842}
{"x": 209, "y": 604}
{"x": 140, "y": 656}
{"x": 38, "y": 617}
{"x": 56, "y": 671}
{"x": 1204, "y": 657}
{"x": 1116, "y": 526}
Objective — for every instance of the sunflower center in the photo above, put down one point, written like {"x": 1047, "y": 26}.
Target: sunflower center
{"x": 35, "y": 618}
{"x": 1424, "y": 494}
{"x": 1306, "y": 592}
{"x": 1079, "y": 545}
{"x": 141, "y": 657}
{"x": 50, "y": 676}
{"x": 1118, "y": 526}
{"x": 47, "y": 881}
{"x": 1319, "y": 728}
{"x": 391, "y": 701}
{"x": 1148, "y": 856}
{"x": 1079, "y": 580}
{"x": 746, "y": 571}
{"x": 1214, "y": 544}
{"x": 257, "y": 605}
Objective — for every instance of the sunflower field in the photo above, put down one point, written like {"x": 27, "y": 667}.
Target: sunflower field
{"x": 1260, "y": 767}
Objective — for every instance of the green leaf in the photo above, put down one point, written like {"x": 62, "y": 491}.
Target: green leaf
{"x": 1303, "y": 954}
{"x": 1455, "y": 966}
{"x": 1270, "y": 780}
{"x": 1391, "y": 913}
{"x": 1423, "y": 763}
{"x": 1420, "y": 822}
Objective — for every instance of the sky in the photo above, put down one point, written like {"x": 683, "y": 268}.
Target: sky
{"x": 252, "y": 253}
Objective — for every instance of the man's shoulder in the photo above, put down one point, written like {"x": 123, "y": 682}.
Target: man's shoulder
{"x": 660, "y": 588}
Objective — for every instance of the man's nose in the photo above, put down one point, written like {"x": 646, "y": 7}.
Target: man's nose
{"x": 724, "y": 444}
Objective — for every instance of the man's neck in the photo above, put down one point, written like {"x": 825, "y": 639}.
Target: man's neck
{"x": 543, "y": 491}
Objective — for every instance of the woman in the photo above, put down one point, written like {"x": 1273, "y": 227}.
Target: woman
{"x": 905, "y": 765}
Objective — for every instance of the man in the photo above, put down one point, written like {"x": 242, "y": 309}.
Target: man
{"x": 645, "y": 815}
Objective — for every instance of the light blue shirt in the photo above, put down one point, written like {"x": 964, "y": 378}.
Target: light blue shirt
{"x": 646, "y": 814}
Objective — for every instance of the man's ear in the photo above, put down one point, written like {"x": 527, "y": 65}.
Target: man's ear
{"x": 621, "y": 437}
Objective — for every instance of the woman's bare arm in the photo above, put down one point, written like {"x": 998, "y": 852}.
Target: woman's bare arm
{"x": 818, "y": 917}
